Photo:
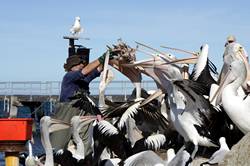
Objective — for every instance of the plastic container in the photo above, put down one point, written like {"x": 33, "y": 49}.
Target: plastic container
{"x": 15, "y": 129}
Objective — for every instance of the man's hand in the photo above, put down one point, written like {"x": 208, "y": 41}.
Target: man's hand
{"x": 101, "y": 59}
{"x": 112, "y": 54}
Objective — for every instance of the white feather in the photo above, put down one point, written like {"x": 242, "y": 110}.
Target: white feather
{"x": 201, "y": 62}
{"x": 91, "y": 101}
{"x": 106, "y": 128}
{"x": 59, "y": 152}
{"x": 129, "y": 113}
{"x": 155, "y": 141}
{"x": 219, "y": 155}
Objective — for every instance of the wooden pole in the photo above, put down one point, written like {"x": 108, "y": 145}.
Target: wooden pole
{"x": 11, "y": 158}
{"x": 12, "y": 149}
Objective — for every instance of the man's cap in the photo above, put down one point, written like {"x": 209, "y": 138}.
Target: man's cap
{"x": 72, "y": 61}
{"x": 231, "y": 38}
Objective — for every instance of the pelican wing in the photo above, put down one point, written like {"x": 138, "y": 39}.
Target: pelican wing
{"x": 196, "y": 105}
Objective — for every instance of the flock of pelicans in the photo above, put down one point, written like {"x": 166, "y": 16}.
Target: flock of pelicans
{"x": 196, "y": 114}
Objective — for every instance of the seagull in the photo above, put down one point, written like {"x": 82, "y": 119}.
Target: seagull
{"x": 219, "y": 155}
{"x": 76, "y": 29}
{"x": 182, "y": 157}
{"x": 170, "y": 154}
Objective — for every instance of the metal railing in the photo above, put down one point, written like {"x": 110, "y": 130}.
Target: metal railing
{"x": 30, "y": 88}
{"x": 50, "y": 88}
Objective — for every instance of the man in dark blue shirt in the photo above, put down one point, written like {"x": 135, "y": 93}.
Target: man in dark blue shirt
{"x": 79, "y": 75}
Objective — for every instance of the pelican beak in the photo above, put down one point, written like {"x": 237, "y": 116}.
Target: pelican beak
{"x": 242, "y": 55}
{"x": 142, "y": 62}
{"x": 191, "y": 60}
{"x": 156, "y": 62}
{"x": 87, "y": 120}
{"x": 151, "y": 97}
{"x": 57, "y": 125}
{"x": 225, "y": 81}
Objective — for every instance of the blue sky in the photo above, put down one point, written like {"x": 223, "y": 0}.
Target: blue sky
{"x": 32, "y": 47}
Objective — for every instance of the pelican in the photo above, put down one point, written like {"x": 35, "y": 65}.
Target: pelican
{"x": 31, "y": 160}
{"x": 202, "y": 70}
{"x": 49, "y": 125}
{"x": 73, "y": 155}
{"x": 161, "y": 73}
{"x": 158, "y": 70}
{"x": 107, "y": 135}
{"x": 106, "y": 77}
{"x": 237, "y": 107}
{"x": 77, "y": 122}
{"x": 126, "y": 54}
{"x": 148, "y": 118}
{"x": 161, "y": 70}
{"x": 235, "y": 51}
{"x": 192, "y": 115}
{"x": 145, "y": 158}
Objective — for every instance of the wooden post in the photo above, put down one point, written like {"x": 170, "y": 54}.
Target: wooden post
{"x": 12, "y": 158}
{"x": 12, "y": 149}
{"x": 71, "y": 49}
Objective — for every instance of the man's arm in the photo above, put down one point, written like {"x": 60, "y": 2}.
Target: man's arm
{"x": 90, "y": 67}
{"x": 92, "y": 75}
{"x": 96, "y": 64}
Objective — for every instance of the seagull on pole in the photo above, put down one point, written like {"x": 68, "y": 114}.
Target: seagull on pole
{"x": 76, "y": 29}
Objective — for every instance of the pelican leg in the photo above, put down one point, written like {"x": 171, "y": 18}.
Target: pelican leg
{"x": 195, "y": 151}
{"x": 191, "y": 148}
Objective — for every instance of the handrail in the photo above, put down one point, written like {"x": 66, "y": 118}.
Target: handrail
{"x": 49, "y": 88}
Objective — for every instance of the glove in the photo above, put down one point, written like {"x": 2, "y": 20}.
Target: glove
{"x": 101, "y": 59}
